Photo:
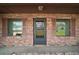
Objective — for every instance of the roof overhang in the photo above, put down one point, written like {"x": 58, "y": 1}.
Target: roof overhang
{"x": 69, "y": 8}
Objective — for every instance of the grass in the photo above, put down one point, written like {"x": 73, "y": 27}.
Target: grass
{"x": 61, "y": 32}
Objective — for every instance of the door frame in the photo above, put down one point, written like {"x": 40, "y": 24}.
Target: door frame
{"x": 45, "y": 31}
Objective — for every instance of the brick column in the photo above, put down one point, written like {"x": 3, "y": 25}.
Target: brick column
{"x": 28, "y": 30}
{"x": 50, "y": 30}
{"x": 77, "y": 30}
{"x": 72, "y": 27}
{"x": 24, "y": 27}
{"x": 4, "y": 27}
{"x": 0, "y": 27}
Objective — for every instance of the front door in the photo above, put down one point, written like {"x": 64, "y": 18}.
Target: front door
{"x": 39, "y": 31}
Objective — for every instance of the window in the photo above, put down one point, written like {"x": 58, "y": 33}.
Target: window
{"x": 15, "y": 27}
{"x": 62, "y": 27}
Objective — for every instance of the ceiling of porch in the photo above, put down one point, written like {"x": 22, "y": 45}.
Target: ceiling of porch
{"x": 70, "y": 8}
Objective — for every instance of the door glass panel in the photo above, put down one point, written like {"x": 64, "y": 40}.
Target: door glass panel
{"x": 39, "y": 25}
{"x": 39, "y": 29}
{"x": 39, "y": 33}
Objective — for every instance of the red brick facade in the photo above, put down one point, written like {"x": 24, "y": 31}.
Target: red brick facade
{"x": 51, "y": 38}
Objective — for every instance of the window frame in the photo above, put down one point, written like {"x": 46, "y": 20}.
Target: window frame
{"x": 69, "y": 26}
{"x": 10, "y": 20}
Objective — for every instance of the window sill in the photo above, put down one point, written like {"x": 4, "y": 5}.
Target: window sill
{"x": 63, "y": 36}
{"x": 15, "y": 37}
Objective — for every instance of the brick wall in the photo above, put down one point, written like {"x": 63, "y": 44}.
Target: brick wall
{"x": 77, "y": 28}
{"x": 0, "y": 30}
{"x": 0, "y": 27}
{"x": 27, "y": 37}
{"x": 52, "y": 39}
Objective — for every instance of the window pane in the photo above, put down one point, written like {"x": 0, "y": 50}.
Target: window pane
{"x": 62, "y": 27}
{"x": 15, "y": 28}
{"x": 17, "y": 25}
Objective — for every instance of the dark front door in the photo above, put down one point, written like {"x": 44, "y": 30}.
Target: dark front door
{"x": 39, "y": 31}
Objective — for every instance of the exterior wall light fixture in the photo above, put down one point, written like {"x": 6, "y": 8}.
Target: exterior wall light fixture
{"x": 40, "y": 8}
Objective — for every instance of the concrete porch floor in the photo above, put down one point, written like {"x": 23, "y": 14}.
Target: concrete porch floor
{"x": 40, "y": 50}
